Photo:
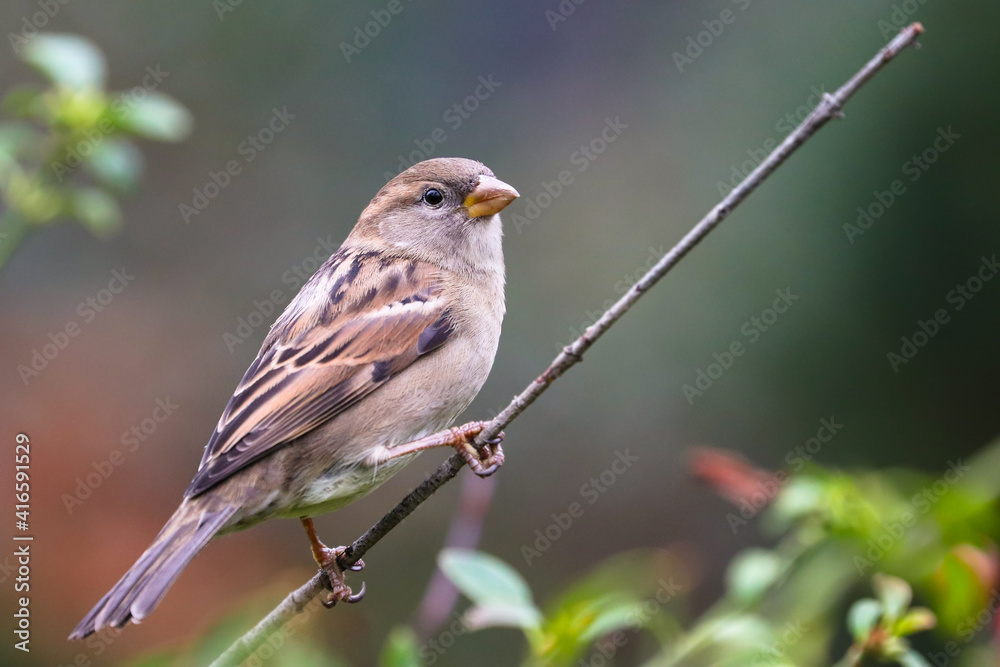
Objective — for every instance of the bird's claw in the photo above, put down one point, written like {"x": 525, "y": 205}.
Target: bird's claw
{"x": 356, "y": 597}
{"x": 491, "y": 461}
{"x": 484, "y": 460}
{"x": 333, "y": 579}
{"x": 343, "y": 593}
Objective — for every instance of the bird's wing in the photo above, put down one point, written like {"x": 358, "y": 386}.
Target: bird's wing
{"x": 351, "y": 329}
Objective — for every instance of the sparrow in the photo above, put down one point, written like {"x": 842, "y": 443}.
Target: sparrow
{"x": 386, "y": 344}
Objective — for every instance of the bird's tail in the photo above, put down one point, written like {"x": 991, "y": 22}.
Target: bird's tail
{"x": 144, "y": 585}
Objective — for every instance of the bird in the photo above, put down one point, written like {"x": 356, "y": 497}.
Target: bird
{"x": 381, "y": 350}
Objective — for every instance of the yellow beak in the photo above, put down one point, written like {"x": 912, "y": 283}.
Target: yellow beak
{"x": 490, "y": 196}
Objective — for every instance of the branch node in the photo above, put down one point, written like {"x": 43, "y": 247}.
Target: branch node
{"x": 831, "y": 102}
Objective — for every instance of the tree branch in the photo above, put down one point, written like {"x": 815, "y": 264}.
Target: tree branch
{"x": 828, "y": 109}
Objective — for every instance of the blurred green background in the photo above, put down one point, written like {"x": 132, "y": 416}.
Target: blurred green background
{"x": 554, "y": 86}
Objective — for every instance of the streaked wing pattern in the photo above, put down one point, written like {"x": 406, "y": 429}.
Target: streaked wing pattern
{"x": 321, "y": 359}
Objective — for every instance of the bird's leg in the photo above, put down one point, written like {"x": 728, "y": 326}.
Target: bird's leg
{"x": 326, "y": 558}
{"x": 484, "y": 462}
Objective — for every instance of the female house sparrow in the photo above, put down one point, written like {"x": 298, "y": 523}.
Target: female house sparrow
{"x": 387, "y": 343}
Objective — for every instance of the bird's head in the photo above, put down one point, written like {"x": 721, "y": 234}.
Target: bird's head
{"x": 443, "y": 209}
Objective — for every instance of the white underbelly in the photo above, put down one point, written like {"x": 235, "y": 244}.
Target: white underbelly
{"x": 342, "y": 486}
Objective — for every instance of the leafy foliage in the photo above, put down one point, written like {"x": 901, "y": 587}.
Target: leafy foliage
{"x": 897, "y": 533}
{"x": 66, "y": 152}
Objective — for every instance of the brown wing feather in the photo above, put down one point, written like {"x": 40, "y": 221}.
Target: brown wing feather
{"x": 356, "y": 324}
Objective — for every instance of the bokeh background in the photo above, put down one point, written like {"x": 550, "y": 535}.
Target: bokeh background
{"x": 685, "y": 130}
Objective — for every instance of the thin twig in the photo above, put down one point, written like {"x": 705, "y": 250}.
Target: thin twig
{"x": 828, "y": 109}
{"x": 271, "y": 625}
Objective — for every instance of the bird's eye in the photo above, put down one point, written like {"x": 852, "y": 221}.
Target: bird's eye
{"x": 433, "y": 197}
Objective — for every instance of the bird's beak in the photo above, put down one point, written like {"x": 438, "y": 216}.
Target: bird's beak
{"x": 490, "y": 196}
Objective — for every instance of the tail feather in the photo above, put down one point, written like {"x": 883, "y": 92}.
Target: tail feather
{"x": 119, "y": 598}
{"x": 161, "y": 579}
{"x": 139, "y": 592}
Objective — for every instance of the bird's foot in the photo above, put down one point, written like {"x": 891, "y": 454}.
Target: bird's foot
{"x": 485, "y": 460}
{"x": 334, "y": 578}
{"x": 333, "y": 572}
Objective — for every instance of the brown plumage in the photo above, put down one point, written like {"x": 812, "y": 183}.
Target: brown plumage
{"x": 389, "y": 341}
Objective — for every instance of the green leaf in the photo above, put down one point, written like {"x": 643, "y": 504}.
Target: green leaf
{"x": 78, "y": 110}
{"x": 70, "y": 60}
{"x": 638, "y": 574}
{"x": 958, "y": 592}
{"x": 484, "y": 579}
{"x": 23, "y": 101}
{"x": 15, "y": 141}
{"x": 752, "y": 572}
{"x": 644, "y": 582}
{"x": 913, "y": 659}
{"x": 801, "y": 497}
{"x": 28, "y": 194}
{"x": 611, "y": 617}
{"x": 116, "y": 163}
{"x": 574, "y": 625}
{"x": 744, "y": 631}
{"x": 894, "y": 593}
{"x": 401, "y": 649}
{"x": 156, "y": 116}
{"x": 862, "y": 617}
{"x": 917, "y": 619}
{"x": 509, "y": 615}
{"x": 97, "y": 210}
